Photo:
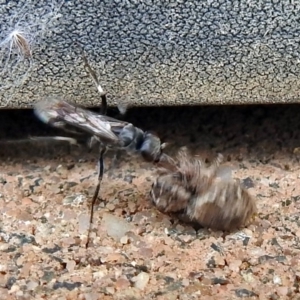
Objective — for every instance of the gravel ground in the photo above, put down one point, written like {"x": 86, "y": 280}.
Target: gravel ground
{"x": 137, "y": 252}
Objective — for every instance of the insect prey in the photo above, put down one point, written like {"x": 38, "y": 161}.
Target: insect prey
{"x": 195, "y": 193}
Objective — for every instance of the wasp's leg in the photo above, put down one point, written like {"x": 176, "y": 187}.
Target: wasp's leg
{"x": 114, "y": 162}
{"x": 96, "y": 193}
{"x": 92, "y": 141}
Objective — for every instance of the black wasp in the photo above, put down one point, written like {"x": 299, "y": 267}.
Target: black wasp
{"x": 107, "y": 131}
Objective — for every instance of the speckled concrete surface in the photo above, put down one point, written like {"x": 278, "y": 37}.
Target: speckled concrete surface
{"x": 137, "y": 252}
{"x": 153, "y": 52}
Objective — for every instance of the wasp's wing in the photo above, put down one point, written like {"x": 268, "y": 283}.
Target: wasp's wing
{"x": 59, "y": 113}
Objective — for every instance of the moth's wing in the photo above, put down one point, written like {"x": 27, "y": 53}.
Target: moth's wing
{"x": 59, "y": 113}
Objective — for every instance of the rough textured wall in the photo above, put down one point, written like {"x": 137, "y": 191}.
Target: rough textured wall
{"x": 158, "y": 52}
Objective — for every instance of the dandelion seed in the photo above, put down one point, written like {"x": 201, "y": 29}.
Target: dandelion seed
{"x": 21, "y": 35}
{"x": 19, "y": 40}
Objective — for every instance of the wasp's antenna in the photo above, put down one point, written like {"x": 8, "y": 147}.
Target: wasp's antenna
{"x": 95, "y": 79}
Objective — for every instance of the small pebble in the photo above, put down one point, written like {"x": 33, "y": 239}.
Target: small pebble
{"x": 110, "y": 206}
{"x": 185, "y": 282}
{"x": 128, "y": 178}
{"x": 75, "y": 200}
{"x": 83, "y": 223}
{"x": 62, "y": 171}
{"x": 248, "y": 183}
{"x": 31, "y": 285}
{"x": 146, "y": 252}
{"x": 110, "y": 290}
{"x": 71, "y": 265}
{"x": 235, "y": 265}
{"x": 283, "y": 290}
{"x": 277, "y": 280}
{"x": 26, "y": 201}
{"x": 115, "y": 227}
{"x": 122, "y": 283}
{"x": 141, "y": 280}
{"x": 19, "y": 294}
{"x": 91, "y": 296}
{"x": 186, "y": 238}
{"x": 3, "y": 268}
{"x": 48, "y": 168}
{"x": 14, "y": 289}
{"x": 124, "y": 240}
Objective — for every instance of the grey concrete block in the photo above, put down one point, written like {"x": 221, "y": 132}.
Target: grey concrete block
{"x": 152, "y": 52}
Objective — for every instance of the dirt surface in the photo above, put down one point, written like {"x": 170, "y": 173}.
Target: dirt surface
{"x": 137, "y": 252}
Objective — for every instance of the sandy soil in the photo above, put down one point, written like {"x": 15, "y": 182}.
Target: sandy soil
{"x": 137, "y": 252}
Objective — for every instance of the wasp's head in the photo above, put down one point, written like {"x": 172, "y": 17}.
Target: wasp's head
{"x": 152, "y": 148}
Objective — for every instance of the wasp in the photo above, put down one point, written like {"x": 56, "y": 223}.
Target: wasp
{"x": 108, "y": 132}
